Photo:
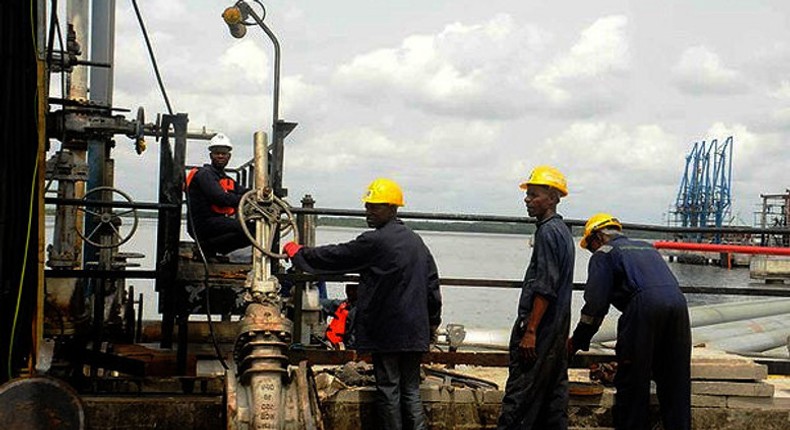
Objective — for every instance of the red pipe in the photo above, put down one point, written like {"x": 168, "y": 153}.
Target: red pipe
{"x": 714, "y": 247}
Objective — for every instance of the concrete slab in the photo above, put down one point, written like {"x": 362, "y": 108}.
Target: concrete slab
{"x": 705, "y": 401}
{"x": 769, "y": 267}
{"x": 726, "y": 388}
{"x": 711, "y": 369}
{"x": 493, "y": 396}
{"x": 781, "y": 385}
{"x": 761, "y": 403}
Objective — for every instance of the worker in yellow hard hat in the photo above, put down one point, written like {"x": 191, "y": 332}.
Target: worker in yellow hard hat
{"x": 399, "y": 303}
{"x": 653, "y": 335}
{"x": 536, "y": 394}
{"x": 598, "y": 222}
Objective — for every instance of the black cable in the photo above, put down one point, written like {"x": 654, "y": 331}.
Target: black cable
{"x": 205, "y": 283}
{"x": 51, "y": 36}
{"x": 153, "y": 58}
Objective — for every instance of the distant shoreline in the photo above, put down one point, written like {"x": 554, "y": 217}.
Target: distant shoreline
{"x": 441, "y": 226}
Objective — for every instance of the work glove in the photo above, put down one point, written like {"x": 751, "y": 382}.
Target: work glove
{"x": 291, "y": 248}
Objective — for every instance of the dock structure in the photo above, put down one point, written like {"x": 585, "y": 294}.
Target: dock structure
{"x": 728, "y": 393}
{"x": 75, "y": 349}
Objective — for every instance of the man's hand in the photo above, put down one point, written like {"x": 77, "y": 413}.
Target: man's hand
{"x": 571, "y": 350}
{"x": 527, "y": 345}
{"x": 291, "y": 248}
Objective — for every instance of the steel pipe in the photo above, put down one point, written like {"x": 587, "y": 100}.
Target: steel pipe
{"x": 714, "y": 247}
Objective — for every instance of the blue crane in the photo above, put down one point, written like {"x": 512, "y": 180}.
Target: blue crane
{"x": 703, "y": 198}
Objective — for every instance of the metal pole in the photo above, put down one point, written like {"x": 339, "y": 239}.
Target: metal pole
{"x": 102, "y": 50}
{"x": 101, "y": 84}
{"x": 279, "y": 130}
{"x": 260, "y": 264}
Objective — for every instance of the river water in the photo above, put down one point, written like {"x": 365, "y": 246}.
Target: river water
{"x": 461, "y": 255}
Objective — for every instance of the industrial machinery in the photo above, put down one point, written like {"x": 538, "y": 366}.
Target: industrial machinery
{"x": 78, "y": 329}
{"x": 703, "y": 198}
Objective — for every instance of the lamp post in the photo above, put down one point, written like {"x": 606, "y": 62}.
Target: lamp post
{"x": 237, "y": 18}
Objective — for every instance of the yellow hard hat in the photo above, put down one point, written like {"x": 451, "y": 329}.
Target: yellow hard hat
{"x": 383, "y": 190}
{"x": 597, "y": 222}
{"x": 549, "y": 176}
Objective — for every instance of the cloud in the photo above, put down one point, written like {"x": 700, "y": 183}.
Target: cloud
{"x": 474, "y": 70}
{"x": 769, "y": 63}
{"x": 611, "y": 167}
{"x": 247, "y": 62}
{"x": 452, "y": 145}
{"x": 495, "y": 70}
{"x": 438, "y": 166}
{"x": 700, "y": 72}
{"x": 447, "y": 111}
{"x": 585, "y": 77}
{"x": 781, "y": 93}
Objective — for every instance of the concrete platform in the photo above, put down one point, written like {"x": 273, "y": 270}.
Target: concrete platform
{"x": 729, "y": 393}
{"x": 474, "y": 409}
{"x": 447, "y": 408}
{"x": 770, "y": 268}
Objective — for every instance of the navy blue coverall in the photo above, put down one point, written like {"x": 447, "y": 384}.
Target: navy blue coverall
{"x": 653, "y": 335}
{"x": 398, "y": 302}
{"x": 216, "y": 232}
{"x": 536, "y": 394}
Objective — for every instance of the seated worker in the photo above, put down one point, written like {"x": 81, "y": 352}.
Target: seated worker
{"x": 212, "y": 201}
{"x": 340, "y": 330}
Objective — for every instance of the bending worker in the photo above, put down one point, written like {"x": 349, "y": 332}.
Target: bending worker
{"x": 653, "y": 335}
{"x": 213, "y": 197}
{"x": 399, "y": 303}
{"x": 536, "y": 394}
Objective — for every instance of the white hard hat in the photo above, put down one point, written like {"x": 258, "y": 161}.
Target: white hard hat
{"x": 220, "y": 140}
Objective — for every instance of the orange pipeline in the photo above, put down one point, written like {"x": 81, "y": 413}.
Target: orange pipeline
{"x": 714, "y": 247}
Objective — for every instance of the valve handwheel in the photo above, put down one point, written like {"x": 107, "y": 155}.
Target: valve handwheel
{"x": 274, "y": 212}
{"x": 107, "y": 221}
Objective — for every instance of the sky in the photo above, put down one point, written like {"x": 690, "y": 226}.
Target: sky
{"x": 458, "y": 100}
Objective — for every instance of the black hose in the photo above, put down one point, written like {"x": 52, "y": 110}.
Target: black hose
{"x": 205, "y": 283}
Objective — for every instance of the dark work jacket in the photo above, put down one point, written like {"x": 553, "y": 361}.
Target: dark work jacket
{"x": 550, "y": 274}
{"x": 399, "y": 297}
{"x": 617, "y": 272}
{"x": 204, "y": 190}
{"x": 536, "y": 392}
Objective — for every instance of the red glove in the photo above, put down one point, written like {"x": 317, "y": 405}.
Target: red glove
{"x": 291, "y": 248}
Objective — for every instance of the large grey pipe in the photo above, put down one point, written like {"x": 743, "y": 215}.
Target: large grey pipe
{"x": 712, "y": 334}
{"x": 712, "y": 314}
{"x": 738, "y": 316}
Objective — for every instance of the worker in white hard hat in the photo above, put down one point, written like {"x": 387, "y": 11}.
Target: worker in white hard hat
{"x": 212, "y": 199}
